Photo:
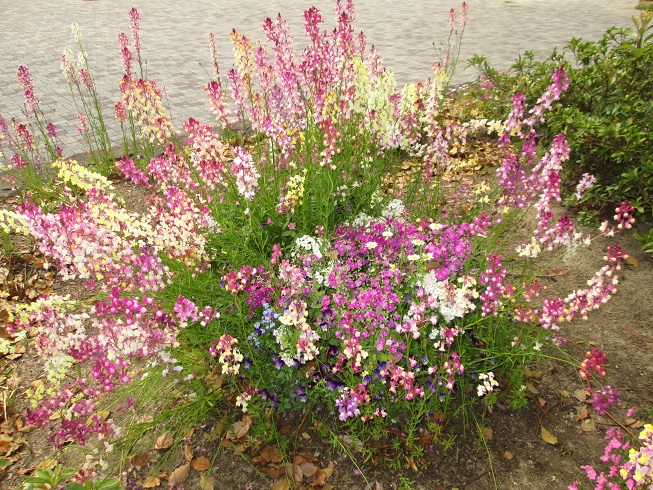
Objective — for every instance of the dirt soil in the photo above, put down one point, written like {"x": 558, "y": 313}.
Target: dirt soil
{"x": 514, "y": 454}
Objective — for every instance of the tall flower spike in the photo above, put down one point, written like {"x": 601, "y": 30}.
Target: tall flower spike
{"x": 126, "y": 54}
{"x": 25, "y": 80}
{"x": 135, "y": 23}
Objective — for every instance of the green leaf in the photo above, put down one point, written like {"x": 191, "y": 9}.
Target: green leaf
{"x": 75, "y": 486}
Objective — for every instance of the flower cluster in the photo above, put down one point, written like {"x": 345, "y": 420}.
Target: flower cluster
{"x": 594, "y": 361}
{"x": 81, "y": 177}
{"x": 294, "y": 194}
{"x": 604, "y": 398}
{"x": 625, "y": 216}
{"x": 228, "y": 355}
{"x": 488, "y": 384}
{"x": 629, "y": 466}
{"x": 143, "y": 101}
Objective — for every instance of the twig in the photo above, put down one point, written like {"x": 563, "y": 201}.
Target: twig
{"x": 637, "y": 335}
{"x": 539, "y": 424}
{"x": 621, "y": 425}
{"x": 308, "y": 410}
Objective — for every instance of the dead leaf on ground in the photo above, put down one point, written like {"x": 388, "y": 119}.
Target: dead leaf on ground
{"x": 269, "y": 454}
{"x": 308, "y": 469}
{"x": 548, "y": 437}
{"x": 508, "y": 455}
{"x": 281, "y": 484}
{"x": 541, "y": 401}
{"x": 580, "y": 394}
{"x": 188, "y": 453}
{"x": 179, "y": 475}
{"x": 581, "y": 413}
{"x": 320, "y": 478}
{"x": 201, "y": 464}
{"x": 48, "y": 464}
{"x": 206, "y": 482}
{"x": 588, "y": 425}
{"x": 239, "y": 429}
{"x": 218, "y": 430}
{"x": 141, "y": 460}
{"x": 630, "y": 260}
{"x": 297, "y": 474}
{"x": 151, "y": 482}
{"x": 487, "y": 433}
{"x": 164, "y": 441}
{"x": 272, "y": 471}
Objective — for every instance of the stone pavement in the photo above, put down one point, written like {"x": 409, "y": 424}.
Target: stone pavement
{"x": 174, "y": 37}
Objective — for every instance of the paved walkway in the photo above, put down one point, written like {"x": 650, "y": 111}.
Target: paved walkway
{"x": 174, "y": 36}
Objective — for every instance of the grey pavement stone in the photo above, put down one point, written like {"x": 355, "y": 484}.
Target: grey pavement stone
{"x": 174, "y": 37}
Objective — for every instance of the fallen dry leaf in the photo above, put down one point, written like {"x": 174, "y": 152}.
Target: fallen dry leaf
{"x": 281, "y": 484}
{"x": 588, "y": 425}
{"x": 487, "y": 433}
{"x": 272, "y": 471}
{"x": 218, "y": 430}
{"x": 151, "y": 482}
{"x": 47, "y": 464}
{"x": 580, "y": 394}
{"x": 269, "y": 454}
{"x": 179, "y": 475}
{"x": 548, "y": 437}
{"x": 164, "y": 441}
{"x": 206, "y": 482}
{"x": 541, "y": 401}
{"x": 308, "y": 469}
{"x": 581, "y": 413}
{"x": 201, "y": 464}
{"x": 188, "y": 453}
{"x": 141, "y": 460}
{"x": 630, "y": 260}
{"x": 320, "y": 478}
{"x": 239, "y": 429}
{"x": 297, "y": 474}
{"x": 28, "y": 428}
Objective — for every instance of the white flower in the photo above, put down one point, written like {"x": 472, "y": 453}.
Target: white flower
{"x": 371, "y": 245}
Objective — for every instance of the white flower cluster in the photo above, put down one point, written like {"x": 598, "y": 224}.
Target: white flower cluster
{"x": 451, "y": 301}
{"x": 309, "y": 244}
{"x": 530, "y": 249}
{"x": 394, "y": 209}
{"x": 476, "y": 125}
{"x": 488, "y": 384}
{"x": 495, "y": 126}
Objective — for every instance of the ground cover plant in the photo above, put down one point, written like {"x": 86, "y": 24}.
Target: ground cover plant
{"x": 315, "y": 271}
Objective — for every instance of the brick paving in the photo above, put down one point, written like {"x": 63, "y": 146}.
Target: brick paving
{"x": 174, "y": 36}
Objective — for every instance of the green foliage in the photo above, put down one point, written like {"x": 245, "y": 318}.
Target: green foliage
{"x": 606, "y": 114}
{"x": 51, "y": 479}
{"x": 647, "y": 240}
